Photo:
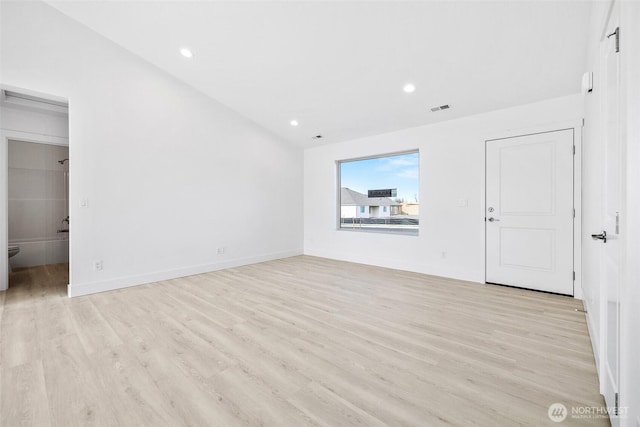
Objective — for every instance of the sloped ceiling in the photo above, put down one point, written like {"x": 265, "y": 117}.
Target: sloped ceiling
{"x": 338, "y": 68}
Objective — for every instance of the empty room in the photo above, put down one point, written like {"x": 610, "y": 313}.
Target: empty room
{"x": 319, "y": 213}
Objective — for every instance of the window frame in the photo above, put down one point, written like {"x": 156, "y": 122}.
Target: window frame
{"x": 338, "y": 187}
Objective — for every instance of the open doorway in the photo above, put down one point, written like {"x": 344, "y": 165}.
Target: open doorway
{"x": 35, "y": 197}
{"x": 38, "y": 214}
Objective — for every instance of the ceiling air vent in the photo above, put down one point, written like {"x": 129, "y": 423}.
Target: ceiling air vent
{"x": 442, "y": 107}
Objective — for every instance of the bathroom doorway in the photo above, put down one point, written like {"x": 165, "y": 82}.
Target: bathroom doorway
{"x": 36, "y": 193}
{"x": 38, "y": 211}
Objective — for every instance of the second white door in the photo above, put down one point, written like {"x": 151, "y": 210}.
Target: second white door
{"x": 529, "y": 211}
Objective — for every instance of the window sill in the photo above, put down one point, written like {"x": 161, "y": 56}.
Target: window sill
{"x": 382, "y": 230}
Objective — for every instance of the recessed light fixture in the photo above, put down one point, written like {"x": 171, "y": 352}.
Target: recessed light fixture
{"x": 409, "y": 88}
{"x": 186, "y": 53}
{"x": 294, "y": 123}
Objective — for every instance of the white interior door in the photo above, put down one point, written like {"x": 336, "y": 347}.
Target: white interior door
{"x": 610, "y": 253}
{"x": 529, "y": 211}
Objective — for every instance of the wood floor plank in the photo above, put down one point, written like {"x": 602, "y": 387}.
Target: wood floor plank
{"x": 256, "y": 400}
{"x": 92, "y": 329}
{"x": 328, "y": 409}
{"x": 19, "y": 337}
{"x": 186, "y": 393}
{"x": 297, "y": 341}
{"x": 23, "y": 398}
{"x": 129, "y": 386}
{"x": 53, "y": 320}
{"x": 75, "y": 395}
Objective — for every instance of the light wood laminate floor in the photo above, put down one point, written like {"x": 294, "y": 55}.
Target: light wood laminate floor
{"x": 293, "y": 342}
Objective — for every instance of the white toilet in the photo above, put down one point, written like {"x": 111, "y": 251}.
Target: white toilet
{"x": 13, "y": 250}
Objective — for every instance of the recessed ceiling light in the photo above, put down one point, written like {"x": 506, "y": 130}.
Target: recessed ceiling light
{"x": 409, "y": 88}
{"x": 294, "y": 123}
{"x": 186, "y": 53}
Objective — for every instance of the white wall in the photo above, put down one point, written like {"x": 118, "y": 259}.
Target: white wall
{"x": 451, "y": 168}
{"x": 159, "y": 163}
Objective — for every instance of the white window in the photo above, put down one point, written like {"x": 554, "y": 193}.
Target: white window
{"x": 388, "y": 185}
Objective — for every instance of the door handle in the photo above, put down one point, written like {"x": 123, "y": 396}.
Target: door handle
{"x": 602, "y": 237}
{"x": 493, "y": 219}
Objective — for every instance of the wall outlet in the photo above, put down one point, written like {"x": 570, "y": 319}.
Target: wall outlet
{"x": 97, "y": 265}
{"x": 222, "y": 250}
{"x": 444, "y": 254}
{"x": 84, "y": 203}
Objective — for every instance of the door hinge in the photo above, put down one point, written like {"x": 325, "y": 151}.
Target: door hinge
{"x": 574, "y": 150}
{"x": 617, "y": 34}
{"x": 574, "y": 276}
{"x": 574, "y": 212}
{"x": 616, "y": 404}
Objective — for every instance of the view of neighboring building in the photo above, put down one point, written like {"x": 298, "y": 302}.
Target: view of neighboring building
{"x": 410, "y": 208}
{"x": 358, "y": 205}
{"x": 358, "y": 211}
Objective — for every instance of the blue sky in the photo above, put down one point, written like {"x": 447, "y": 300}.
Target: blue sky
{"x": 401, "y": 172}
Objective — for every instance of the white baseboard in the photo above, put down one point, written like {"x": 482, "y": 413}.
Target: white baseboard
{"x": 125, "y": 282}
{"x": 385, "y": 263}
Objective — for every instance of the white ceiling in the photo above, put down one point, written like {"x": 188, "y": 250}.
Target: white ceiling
{"x": 339, "y": 67}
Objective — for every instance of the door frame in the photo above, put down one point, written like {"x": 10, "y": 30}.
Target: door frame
{"x": 7, "y": 135}
{"x": 576, "y": 126}
{"x": 612, "y": 386}
{"x": 630, "y": 293}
